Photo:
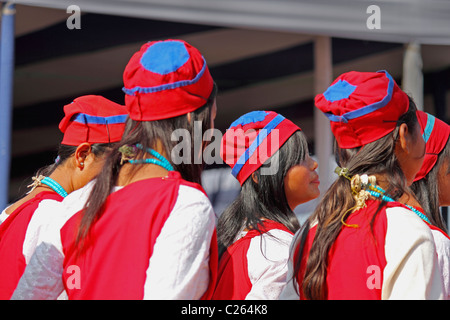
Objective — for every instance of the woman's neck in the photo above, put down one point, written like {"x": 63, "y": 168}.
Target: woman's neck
{"x": 64, "y": 177}
{"x": 406, "y": 198}
{"x": 59, "y": 177}
{"x": 129, "y": 173}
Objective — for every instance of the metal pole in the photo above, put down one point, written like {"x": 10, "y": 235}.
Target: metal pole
{"x": 323, "y": 140}
{"x": 412, "y": 82}
{"x": 6, "y": 92}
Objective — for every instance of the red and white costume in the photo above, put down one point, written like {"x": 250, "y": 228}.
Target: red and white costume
{"x": 18, "y": 236}
{"x": 160, "y": 245}
{"x": 156, "y": 237}
{"x": 397, "y": 261}
{"x": 92, "y": 119}
{"x": 255, "y": 265}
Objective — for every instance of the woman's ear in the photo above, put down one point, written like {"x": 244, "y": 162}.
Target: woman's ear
{"x": 254, "y": 178}
{"x": 83, "y": 150}
{"x": 404, "y": 138}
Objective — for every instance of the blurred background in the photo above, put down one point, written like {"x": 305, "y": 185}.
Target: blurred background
{"x": 264, "y": 55}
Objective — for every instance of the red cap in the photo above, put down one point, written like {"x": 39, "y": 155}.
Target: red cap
{"x": 435, "y": 133}
{"x": 252, "y": 139}
{"x": 362, "y": 107}
{"x": 165, "y": 79}
{"x": 92, "y": 119}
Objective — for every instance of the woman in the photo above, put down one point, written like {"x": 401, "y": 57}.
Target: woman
{"x": 365, "y": 239}
{"x": 148, "y": 229}
{"x": 255, "y": 231}
{"x": 90, "y": 126}
{"x": 431, "y": 186}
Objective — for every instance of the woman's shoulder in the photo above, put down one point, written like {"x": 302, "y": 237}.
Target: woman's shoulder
{"x": 191, "y": 197}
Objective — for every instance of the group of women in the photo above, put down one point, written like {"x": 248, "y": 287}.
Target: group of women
{"x": 116, "y": 218}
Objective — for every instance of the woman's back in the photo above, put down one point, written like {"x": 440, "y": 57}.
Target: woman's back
{"x": 378, "y": 257}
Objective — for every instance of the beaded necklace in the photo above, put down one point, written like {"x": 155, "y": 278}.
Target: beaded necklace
{"x": 55, "y": 186}
{"x": 378, "y": 192}
{"x": 160, "y": 160}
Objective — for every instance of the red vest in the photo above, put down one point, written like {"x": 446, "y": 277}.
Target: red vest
{"x": 356, "y": 260}
{"x": 121, "y": 242}
{"x": 12, "y": 235}
{"x": 233, "y": 282}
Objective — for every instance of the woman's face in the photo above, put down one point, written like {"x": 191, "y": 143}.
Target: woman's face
{"x": 444, "y": 184}
{"x": 410, "y": 151}
{"x": 301, "y": 183}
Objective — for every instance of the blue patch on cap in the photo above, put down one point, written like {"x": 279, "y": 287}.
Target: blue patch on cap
{"x": 251, "y": 117}
{"x": 165, "y": 57}
{"x": 338, "y": 91}
{"x": 428, "y": 128}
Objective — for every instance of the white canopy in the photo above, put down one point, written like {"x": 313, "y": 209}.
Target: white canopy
{"x": 404, "y": 21}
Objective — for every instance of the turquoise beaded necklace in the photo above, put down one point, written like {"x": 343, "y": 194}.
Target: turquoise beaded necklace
{"x": 380, "y": 193}
{"x": 160, "y": 160}
{"x": 55, "y": 186}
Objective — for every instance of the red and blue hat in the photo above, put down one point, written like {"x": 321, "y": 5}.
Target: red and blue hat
{"x": 435, "y": 133}
{"x": 252, "y": 139}
{"x": 362, "y": 107}
{"x": 165, "y": 79}
{"x": 92, "y": 119}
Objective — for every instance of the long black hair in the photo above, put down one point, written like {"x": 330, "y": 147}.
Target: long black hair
{"x": 149, "y": 134}
{"x": 427, "y": 191}
{"x": 264, "y": 199}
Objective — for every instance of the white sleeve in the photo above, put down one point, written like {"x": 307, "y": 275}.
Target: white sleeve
{"x": 52, "y": 214}
{"x": 412, "y": 270}
{"x": 179, "y": 265}
{"x": 267, "y": 260}
{"x": 42, "y": 279}
{"x": 290, "y": 291}
{"x": 45, "y": 214}
{"x": 443, "y": 252}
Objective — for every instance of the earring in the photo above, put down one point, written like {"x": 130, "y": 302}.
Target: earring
{"x": 82, "y": 164}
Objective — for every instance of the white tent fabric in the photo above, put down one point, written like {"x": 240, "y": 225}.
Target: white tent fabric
{"x": 405, "y": 21}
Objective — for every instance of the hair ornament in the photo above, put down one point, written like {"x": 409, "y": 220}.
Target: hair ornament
{"x": 342, "y": 172}
{"x": 359, "y": 185}
{"x": 128, "y": 153}
{"x": 363, "y": 186}
{"x": 36, "y": 182}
